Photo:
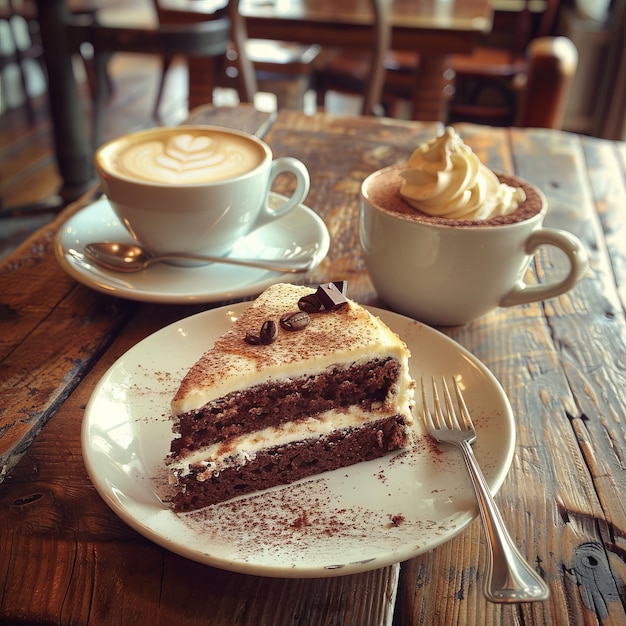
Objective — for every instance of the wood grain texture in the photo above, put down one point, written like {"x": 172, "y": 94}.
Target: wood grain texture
{"x": 97, "y": 570}
{"x": 53, "y": 330}
{"x": 561, "y": 498}
{"x": 561, "y": 363}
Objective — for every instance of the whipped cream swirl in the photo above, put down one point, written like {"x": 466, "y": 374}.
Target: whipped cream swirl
{"x": 446, "y": 179}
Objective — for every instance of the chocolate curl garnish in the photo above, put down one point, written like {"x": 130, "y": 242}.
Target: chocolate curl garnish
{"x": 342, "y": 285}
{"x": 331, "y": 296}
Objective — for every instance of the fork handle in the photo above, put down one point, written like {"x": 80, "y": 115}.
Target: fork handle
{"x": 509, "y": 578}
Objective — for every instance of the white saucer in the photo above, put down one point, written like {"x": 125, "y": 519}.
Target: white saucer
{"x": 281, "y": 239}
{"x": 350, "y": 520}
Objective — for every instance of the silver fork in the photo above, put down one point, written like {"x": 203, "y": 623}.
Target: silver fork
{"x": 509, "y": 578}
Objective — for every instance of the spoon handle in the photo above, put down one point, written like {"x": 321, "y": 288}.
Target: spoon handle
{"x": 276, "y": 265}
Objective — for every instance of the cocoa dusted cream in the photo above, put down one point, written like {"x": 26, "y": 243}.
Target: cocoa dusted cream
{"x": 383, "y": 191}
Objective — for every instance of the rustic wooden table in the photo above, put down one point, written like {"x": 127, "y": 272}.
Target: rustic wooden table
{"x": 66, "y": 558}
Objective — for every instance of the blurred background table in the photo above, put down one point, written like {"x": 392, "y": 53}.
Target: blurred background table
{"x": 435, "y": 29}
{"x": 68, "y": 559}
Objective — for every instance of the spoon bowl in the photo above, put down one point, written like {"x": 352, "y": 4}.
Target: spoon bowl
{"x": 123, "y": 257}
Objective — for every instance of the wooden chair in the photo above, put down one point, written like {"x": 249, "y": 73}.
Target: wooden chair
{"x": 20, "y": 44}
{"x": 369, "y": 73}
{"x": 16, "y": 13}
{"x": 279, "y": 67}
{"x": 488, "y": 81}
{"x": 543, "y": 97}
{"x": 207, "y": 39}
{"x": 537, "y": 83}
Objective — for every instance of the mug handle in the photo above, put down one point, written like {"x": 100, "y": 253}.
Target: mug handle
{"x": 303, "y": 183}
{"x": 573, "y": 248}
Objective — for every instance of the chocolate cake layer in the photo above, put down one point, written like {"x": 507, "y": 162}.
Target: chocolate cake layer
{"x": 291, "y": 400}
{"x": 286, "y": 464}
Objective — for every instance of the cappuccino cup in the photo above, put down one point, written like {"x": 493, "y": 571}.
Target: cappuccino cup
{"x": 448, "y": 272}
{"x": 194, "y": 188}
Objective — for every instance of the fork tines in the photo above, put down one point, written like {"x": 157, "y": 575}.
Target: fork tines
{"x": 451, "y": 418}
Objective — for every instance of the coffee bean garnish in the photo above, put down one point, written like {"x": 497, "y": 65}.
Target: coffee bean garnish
{"x": 329, "y": 296}
{"x": 253, "y": 340}
{"x": 297, "y": 320}
{"x": 269, "y": 332}
{"x": 310, "y": 304}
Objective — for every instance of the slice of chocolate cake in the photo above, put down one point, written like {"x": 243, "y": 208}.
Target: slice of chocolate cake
{"x": 304, "y": 382}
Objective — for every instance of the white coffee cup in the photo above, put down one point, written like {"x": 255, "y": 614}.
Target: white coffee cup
{"x": 444, "y": 274}
{"x": 194, "y": 188}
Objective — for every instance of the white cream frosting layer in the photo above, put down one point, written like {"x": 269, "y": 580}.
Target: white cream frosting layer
{"x": 446, "y": 179}
{"x": 348, "y": 335}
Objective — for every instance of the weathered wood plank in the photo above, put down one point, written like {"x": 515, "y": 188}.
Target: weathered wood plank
{"x": 606, "y": 165}
{"x": 364, "y": 147}
{"x": 44, "y": 355}
{"x": 540, "y": 353}
{"x": 107, "y": 573}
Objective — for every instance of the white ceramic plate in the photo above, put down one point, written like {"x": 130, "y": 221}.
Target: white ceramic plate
{"x": 342, "y": 522}
{"x": 281, "y": 239}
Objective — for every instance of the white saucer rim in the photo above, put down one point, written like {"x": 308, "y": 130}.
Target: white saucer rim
{"x": 120, "y": 285}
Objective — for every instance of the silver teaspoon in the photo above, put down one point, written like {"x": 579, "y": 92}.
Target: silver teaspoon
{"x": 122, "y": 257}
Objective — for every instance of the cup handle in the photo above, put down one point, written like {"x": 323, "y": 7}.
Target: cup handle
{"x": 303, "y": 183}
{"x": 573, "y": 248}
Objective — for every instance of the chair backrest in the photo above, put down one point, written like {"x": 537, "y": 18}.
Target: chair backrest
{"x": 244, "y": 81}
{"x": 204, "y": 39}
{"x": 552, "y": 66}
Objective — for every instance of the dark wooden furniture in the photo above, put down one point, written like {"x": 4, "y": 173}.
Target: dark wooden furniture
{"x": 547, "y": 82}
{"x": 432, "y": 28}
{"x": 208, "y": 40}
{"x": 284, "y": 68}
{"x": 17, "y": 20}
{"x": 62, "y": 34}
{"x": 67, "y": 559}
{"x": 359, "y": 71}
{"x": 23, "y": 41}
{"x": 490, "y": 79}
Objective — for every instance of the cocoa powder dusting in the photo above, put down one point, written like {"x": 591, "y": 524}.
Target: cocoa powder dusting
{"x": 384, "y": 192}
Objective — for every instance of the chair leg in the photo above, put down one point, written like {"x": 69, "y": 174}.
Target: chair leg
{"x": 165, "y": 66}
{"x": 289, "y": 91}
{"x": 100, "y": 65}
{"x": 18, "y": 59}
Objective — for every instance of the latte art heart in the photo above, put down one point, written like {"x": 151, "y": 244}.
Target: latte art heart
{"x": 190, "y": 143}
{"x": 189, "y": 158}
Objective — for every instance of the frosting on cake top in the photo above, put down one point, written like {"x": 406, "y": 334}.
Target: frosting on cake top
{"x": 349, "y": 334}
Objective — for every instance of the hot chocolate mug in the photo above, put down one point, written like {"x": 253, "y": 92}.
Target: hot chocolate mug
{"x": 447, "y": 275}
{"x": 194, "y": 188}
